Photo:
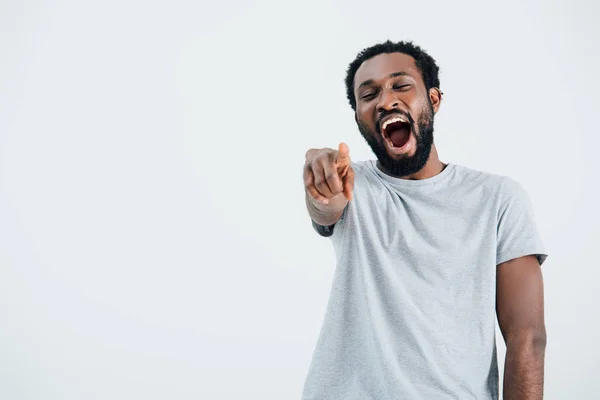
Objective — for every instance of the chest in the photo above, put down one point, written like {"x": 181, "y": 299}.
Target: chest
{"x": 452, "y": 227}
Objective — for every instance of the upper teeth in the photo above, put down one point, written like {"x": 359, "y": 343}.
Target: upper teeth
{"x": 391, "y": 120}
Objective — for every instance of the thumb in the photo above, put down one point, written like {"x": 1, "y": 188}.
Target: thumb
{"x": 343, "y": 158}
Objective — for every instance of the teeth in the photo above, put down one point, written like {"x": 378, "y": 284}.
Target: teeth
{"x": 389, "y": 121}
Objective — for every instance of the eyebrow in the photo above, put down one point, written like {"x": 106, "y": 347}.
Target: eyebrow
{"x": 392, "y": 75}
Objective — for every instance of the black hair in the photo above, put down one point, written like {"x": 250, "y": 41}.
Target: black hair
{"x": 425, "y": 64}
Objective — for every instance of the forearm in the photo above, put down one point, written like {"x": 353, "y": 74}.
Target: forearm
{"x": 524, "y": 368}
{"x": 325, "y": 214}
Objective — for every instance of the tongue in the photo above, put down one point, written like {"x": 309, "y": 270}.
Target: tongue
{"x": 399, "y": 137}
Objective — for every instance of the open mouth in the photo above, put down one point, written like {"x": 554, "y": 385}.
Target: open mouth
{"x": 396, "y": 131}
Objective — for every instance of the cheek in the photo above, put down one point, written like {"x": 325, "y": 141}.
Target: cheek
{"x": 363, "y": 125}
{"x": 419, "y": 107}
{"x": 365, "y": 115}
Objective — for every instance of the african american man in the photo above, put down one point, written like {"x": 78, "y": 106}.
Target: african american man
{"x": 428, "y": 253}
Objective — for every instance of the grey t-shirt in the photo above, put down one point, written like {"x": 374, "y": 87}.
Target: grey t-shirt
{"x": 411, "y": 314}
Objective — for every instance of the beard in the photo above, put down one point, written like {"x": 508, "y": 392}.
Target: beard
{"x": 406, "y": 165}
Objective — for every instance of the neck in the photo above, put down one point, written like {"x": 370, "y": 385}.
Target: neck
{"x": 433, "y": 167}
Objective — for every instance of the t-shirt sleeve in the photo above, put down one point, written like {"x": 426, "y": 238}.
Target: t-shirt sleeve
{"x": 325, "y": 231}
{"x": 517, "y": 230}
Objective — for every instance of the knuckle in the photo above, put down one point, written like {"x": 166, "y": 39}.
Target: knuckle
{"x": 307, "y": 178}
{"x": 331, "y": 176}
{"x": 324, "y": 154}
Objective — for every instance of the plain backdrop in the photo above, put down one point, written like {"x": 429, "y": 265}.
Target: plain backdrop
{"x": 153, "y": 237}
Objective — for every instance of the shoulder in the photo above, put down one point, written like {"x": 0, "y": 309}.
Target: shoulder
{"x": 512, "y": 193}
{"x": 467, "y": 174}
{"x": 481, "y": 181}
{"x": 504, "y": 188}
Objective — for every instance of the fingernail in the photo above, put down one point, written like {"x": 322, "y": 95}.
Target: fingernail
{"x": 325, "y": 201}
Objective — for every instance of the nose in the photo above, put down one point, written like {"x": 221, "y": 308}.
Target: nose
{"x": 388, "y": 101}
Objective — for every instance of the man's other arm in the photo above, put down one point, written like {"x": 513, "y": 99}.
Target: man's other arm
{"x": 520, "y": 310}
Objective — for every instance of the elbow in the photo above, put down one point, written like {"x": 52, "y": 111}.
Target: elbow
{"x": 528, "y": 340}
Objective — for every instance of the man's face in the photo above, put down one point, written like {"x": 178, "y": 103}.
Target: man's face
{"x": 394, "y": 112}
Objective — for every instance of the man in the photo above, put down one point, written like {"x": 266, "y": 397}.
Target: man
{"x": 428, "y": 254}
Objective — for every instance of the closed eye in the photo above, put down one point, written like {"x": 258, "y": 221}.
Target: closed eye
{"x": 401, "y": 87}
{"x": 368, "y": 96}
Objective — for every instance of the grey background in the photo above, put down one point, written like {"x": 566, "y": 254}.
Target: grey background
{"x": 153, "y": 237}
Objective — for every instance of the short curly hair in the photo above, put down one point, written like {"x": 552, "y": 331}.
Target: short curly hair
{"x": 425, "y": 64}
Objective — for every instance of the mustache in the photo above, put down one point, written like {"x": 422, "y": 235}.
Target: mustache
{"x": 398, "y": 113}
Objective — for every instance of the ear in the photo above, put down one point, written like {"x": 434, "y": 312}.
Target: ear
{"x": 435, "y": 96}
